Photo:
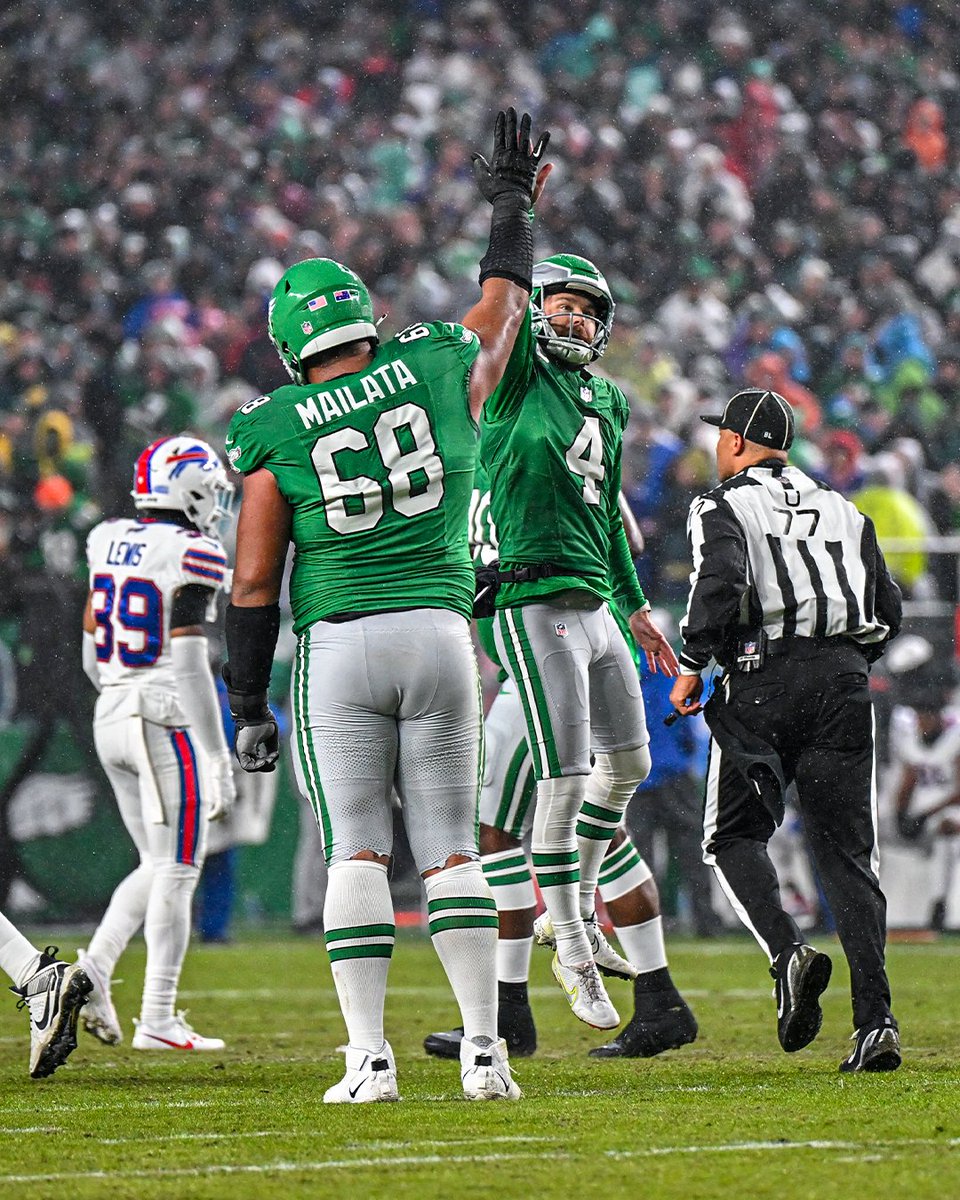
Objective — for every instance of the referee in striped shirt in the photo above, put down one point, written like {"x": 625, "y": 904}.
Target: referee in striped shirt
{"x": 791, "y": 596}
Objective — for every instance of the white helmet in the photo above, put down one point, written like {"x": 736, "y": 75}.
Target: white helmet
{"x": 186, "y": 475}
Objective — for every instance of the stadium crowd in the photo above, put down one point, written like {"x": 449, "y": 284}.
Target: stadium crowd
{"x": 774, "y": 194}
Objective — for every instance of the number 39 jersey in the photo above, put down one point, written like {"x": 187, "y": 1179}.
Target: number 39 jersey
{"x": 136, "y": 569}
{"x": 377, "y": 467}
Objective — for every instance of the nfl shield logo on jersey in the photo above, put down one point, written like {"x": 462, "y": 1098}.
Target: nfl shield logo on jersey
{"x": 560, "y": 629}
{"x": 586, "y": 395}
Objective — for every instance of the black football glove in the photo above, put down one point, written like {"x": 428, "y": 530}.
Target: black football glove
{"x": 515, "y": 160}
{"x": 257, "y": 740}
{"x": 487, "y": 586}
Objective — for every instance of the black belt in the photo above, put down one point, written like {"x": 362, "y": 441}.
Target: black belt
{"x": 530, "y": 573}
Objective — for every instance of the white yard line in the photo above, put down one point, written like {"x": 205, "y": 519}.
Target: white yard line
{"x": 424, "y": 1160}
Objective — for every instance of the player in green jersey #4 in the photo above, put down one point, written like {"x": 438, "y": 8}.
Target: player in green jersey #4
{"x": 661, "y": 1020}
{"x": 366, "y": 464}
{"x": 551, "y": 442}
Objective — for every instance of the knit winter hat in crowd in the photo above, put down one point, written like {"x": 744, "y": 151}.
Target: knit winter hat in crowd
{"x": 759, "y": 416}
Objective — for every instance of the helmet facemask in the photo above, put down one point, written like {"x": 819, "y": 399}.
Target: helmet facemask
{"x": 570, "y": 273}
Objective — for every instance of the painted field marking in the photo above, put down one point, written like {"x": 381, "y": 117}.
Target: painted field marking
{"x": 426, "y": 1160}
{"x": 17, "y": 1130}
{"x": 764, "y": 1147}
{"x": 301, "y": 1134}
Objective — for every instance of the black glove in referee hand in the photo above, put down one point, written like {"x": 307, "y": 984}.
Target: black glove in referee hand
{"x": 257, "y": 740}
{"x": 514, "y": 166}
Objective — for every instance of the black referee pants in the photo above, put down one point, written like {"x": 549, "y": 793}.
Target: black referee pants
{"x": 805, "y": 716}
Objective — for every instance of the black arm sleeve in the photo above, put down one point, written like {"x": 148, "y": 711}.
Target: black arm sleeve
{"x": 720, "y": 579}
{"x": 251, "y": 635}
{"x": 190, "y": 606}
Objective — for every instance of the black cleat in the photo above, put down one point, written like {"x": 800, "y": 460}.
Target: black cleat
{"x": 877, "y": 1049}
{"x": 662, "y": 1020}
{"x": 514, "y": 1024}
{"x": 445, "y": 1044}
{"x": 802, "y": 975}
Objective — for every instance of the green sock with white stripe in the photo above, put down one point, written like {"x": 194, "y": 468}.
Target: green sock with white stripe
{"x": 463, "y": 925}
{"x": 359, "y": 932}
{"x": 621, "y": 871}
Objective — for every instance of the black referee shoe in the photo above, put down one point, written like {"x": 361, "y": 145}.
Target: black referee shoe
{"x": 877, "y": 1049}
{"x": 802, "y": 975}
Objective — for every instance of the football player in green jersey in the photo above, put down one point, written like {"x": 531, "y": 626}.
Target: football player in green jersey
{"x": 366, "y": 464}
{"x": 551, "y": 445}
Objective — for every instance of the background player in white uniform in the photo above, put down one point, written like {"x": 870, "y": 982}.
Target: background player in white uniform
{"x": 925, "y": 744}
{"x": 53, "y": 993}
{"x": 157, "y": 724}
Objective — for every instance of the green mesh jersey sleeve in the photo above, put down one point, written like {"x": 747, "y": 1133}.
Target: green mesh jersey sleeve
{"x": 248, "y": 441}
{"x": 508, "y": 395}
{"x": 623, "y": 574}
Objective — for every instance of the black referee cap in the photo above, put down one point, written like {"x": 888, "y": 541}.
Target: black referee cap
{"x": 758, "y": 415}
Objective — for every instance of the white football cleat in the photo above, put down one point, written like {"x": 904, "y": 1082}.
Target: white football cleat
{"x": 586, "y": 994}
{"x": 53, "y": 997}
{"x": 370, "y": 1077}
{"x": 485, "y": 1071}
{"x": 99, "y": 1017}
{"x": 608, "y": 961}
{"x": 177, "y": 1035}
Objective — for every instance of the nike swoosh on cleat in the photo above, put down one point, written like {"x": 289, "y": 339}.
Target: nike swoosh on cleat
{"x": 573, "y": 992}
{"x": 352, "y": 1092}
{"x": 45, "y": 1019}
{"x": 167, "y": 1042}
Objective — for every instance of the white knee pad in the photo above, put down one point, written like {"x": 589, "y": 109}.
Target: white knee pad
{"x": 624, "y": 768}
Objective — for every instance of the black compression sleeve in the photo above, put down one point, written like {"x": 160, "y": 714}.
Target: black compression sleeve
{"x": 251, "y": 641}
{"x": 190, "y": 606}
{"x": 510, "y": 253}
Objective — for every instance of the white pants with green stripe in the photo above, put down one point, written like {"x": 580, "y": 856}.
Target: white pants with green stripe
{"x": 577, "y": 683}
{"x": 390, "y": 700}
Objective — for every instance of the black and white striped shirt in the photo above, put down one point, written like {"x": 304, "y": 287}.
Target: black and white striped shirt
{"x": 773, "y": 547}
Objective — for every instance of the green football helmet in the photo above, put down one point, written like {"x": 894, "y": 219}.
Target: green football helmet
{"x": 318, "y": 304}
{"x": 571, "y": 273}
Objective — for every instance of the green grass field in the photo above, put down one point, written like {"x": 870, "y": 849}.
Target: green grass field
{"x": 731, "y": 1116}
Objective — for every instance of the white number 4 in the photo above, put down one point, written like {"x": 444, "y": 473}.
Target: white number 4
{"x": 585, "y": 458}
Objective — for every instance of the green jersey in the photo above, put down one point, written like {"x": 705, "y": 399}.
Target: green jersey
{"x": 377, "y": 467}
{"x": 550, "y": 443}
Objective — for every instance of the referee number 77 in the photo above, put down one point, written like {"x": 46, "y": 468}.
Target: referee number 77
{"x": 800, "y": 512}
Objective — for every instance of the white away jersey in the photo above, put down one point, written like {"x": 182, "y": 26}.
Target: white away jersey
{"x": 936, "y": 763}
{"x": 136, "y": 569}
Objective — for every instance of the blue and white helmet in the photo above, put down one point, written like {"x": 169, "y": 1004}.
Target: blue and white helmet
{"x": 186, "y": 475}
